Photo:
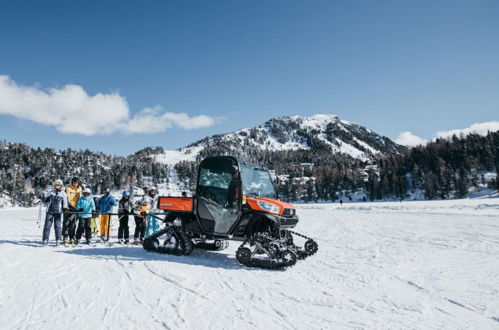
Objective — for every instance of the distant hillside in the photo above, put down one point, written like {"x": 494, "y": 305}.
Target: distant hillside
{"x": 312, "y": 158}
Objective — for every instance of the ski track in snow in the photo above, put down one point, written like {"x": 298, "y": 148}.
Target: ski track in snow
{"x": 425, "y": 265}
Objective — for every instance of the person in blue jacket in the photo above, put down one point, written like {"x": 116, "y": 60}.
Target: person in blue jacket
{"x": 85, "y": 206}
{"x": 106, "y": 202}
{"x": 57, "y": 203}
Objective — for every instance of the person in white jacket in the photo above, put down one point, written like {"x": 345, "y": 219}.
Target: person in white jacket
{"x": 152, "y": 222}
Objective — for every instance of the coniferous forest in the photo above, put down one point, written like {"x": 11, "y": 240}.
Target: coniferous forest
{"x": 445, "y": 168}
{"x": 441, "y": 169}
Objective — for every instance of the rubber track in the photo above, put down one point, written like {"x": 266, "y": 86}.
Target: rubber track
{"x": 266, "y": 264}
{"x": 276, "y": 264}
{"x": 185, "y": 245}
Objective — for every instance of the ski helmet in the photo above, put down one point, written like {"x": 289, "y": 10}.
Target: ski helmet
{"x": 58, "y": 182}
{"x": 153, "y": 188}
{"x": 87, "y": 191}
{"x": 125, "y": 193}
{"x": 107, "y": 190}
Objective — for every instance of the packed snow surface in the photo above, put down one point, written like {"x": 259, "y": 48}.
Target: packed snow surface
{"x": 380, "y": 265}
{"x": 172, "y": 157}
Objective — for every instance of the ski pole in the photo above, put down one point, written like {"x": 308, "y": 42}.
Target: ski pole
{"x": 108, "y": 226}
{"x": 40, "y": 215}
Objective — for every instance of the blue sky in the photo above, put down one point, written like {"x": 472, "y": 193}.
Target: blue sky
{"x": 393, "y": 66}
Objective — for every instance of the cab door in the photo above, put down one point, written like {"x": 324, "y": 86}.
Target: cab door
{"x": 218, "y": 194}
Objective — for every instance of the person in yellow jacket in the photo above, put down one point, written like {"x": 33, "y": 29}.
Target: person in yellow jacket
{"x": 73, "y": 193}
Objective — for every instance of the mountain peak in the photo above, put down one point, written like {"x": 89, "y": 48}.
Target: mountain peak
{"x": 319, "y": 132}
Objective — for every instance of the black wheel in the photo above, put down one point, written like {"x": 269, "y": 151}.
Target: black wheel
{"x": 311, "y": 247}
{"x": 150, "y": 244}
{"x": 274, "y": 251}
{"x": 155, "y": 243}
{"x": 243, "y": 255}
{"x": 288, "y": 258}
{"x": 171, "y": 240}
{"x": 220, "y": 244}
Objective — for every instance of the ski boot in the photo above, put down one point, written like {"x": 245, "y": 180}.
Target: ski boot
{"x": 45, "y": 242}
{"x": 57, "y": 242}
{"x": 76, "y": 243}
{"x": 65, "y": 242}
{"x": 127, "y": 242}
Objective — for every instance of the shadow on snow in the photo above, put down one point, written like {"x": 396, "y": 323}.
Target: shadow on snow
{"x": 132, "y": 253}
{"x": 30, "y": 243}
{"x": 137, "y": 253}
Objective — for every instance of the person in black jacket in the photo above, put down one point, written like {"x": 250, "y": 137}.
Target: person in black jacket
{"x": 124, "y": 210}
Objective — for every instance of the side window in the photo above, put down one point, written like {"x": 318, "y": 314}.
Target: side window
{"x": 214, "y": 185}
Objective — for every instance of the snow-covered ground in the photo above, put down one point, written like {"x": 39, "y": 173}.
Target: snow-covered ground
{"x": 380, "y": 265}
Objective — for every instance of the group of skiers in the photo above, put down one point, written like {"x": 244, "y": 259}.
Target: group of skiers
{"x": 78, "y": 212}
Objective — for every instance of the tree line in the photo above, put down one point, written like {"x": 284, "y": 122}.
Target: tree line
{"x": 444, "y": 168}
{"x": 26, "y": 171}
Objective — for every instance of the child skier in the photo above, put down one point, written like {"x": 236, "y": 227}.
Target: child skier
{"x": 105, "y": 203}
{"x": 140, "y": 221}
{"x": 57, "y": 203}
{"x": 73, "y": 193}
{"x": 124, "y": 210}
{"x": 152, "y": 222}
{"x": 86, "y": 206}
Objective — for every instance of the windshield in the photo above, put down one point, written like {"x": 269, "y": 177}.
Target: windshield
{"x": 256, "y": 182}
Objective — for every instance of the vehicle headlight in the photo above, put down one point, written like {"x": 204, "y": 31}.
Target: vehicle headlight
{"x": 269, "y": 207}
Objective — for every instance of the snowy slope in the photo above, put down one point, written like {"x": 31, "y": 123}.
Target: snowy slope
{"x": 172, "y": 157}
{"x": 380, "y": 265}
{"x": 6, "y": 201}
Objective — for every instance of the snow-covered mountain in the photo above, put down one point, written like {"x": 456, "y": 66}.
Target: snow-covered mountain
{"x": 323, "y": 132}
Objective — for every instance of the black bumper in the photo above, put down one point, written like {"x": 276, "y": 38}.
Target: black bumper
{"x": 283, "y": 222}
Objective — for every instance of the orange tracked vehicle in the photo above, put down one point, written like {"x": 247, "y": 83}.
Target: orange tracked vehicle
{"x": 233, "y": 201}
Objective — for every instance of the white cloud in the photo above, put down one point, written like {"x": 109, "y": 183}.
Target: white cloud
{"x": 71, "y": 110}
{"x": 410, "y": 140}
{"x": 153, "y": 120}
{"x": 478, "y": 128}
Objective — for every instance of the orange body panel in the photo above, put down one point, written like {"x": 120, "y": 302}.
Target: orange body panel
{"x": 253, "y": 203}
{"x": 179, "y": 204}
